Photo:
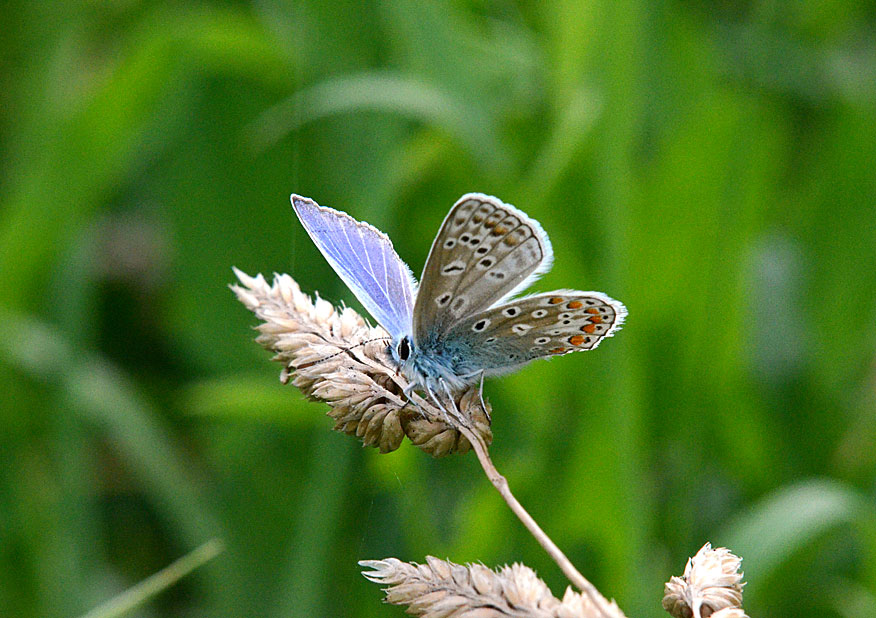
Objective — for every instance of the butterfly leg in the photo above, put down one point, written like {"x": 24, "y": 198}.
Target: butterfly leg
{"x": 483, "y": 404}
{"x": 482, "y": 374}
{"x": 456, "y": 413}
{"x": 406, "y": 391}
{"x": 437, "y": 403}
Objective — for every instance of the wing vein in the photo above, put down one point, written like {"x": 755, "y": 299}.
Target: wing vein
{"x": 361, "y": 263}
{"x": 386, "y": 298}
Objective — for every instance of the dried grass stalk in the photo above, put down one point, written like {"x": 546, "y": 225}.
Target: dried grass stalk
{"x": 333, "y": 355}
{"x": 441, "y": 589}
{"x": 710, "y": 587}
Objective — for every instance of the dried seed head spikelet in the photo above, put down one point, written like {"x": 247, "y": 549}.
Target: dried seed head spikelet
{"x": 710, "y": 587}
{"x": 730, "y": 612}
{"x": 334, "y": 356}
{"x": 442, "y": 588}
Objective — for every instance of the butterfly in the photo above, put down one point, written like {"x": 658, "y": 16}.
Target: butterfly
{"x": 459, "y": 326}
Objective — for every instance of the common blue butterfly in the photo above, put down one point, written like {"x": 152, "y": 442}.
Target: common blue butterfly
{"x": 458, "y": 326}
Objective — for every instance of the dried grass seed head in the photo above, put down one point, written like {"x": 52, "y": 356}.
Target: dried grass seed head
{"x": 443, "y": 588}
{"x": 333, "y": 355}
{"x": 711, "y": 582}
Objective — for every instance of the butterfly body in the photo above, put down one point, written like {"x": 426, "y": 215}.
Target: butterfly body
{"x": 458, "y": 326}
{"x": 429, "y": 364}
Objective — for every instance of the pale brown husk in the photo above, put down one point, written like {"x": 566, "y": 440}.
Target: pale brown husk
{"x": 333, "y": 355}
{"x": 441, "y": 589}
{"x": 710, "y": 587}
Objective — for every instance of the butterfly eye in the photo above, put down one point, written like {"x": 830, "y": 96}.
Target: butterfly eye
{"x": 404, "y": 349}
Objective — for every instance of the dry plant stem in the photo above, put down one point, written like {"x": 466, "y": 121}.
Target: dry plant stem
{"x": 334, "y": 357}
{"x": 501, "y": 485}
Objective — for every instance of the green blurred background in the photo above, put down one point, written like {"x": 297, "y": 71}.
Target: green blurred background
{"x": 710, "y": 164}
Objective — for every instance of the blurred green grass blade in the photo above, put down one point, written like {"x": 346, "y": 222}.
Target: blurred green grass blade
{"x": 572, "y": 38}
{"x": 78, "y": 542}
{"x": 321, "y": 38}
{"x": 103, "y": 395}
{"x": 445, "y": 45}
{"x": 769, "y": 533}
{"x": 610, "y": 446}
{"x": 393, "y": 474}
{"x": 155, "y": 584}
{"x": 249, "y": 397}
{"x": 50, "y": 526}
{"x": 571, "y": 127}
{"x": 480, "y": 508}
{"x": 818, "y": 71}
{"x": 77, "y": 153}
{"x": 850, "y": 599}
{"x": 388, "y": 92}
{"x": 106, "y": 398}
{"x": 309, "y": 568}
{"x": 226, "y": 41}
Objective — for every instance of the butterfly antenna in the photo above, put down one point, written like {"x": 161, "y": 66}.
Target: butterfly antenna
{"x": 342, "y": 351}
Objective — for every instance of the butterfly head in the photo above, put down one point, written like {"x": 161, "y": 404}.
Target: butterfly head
{"x": 427, "y": 369}
{"x": 401, "y": 350}
{"x": 403, "y": 355}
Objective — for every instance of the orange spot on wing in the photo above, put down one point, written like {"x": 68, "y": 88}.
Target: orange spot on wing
{"x": 596, "y": 319}
{"x": 576, "y": 339}
{"x": 589, "y": 328}
{"x": 499, "y": 230}
{"x": 557, "y": 350}
{"x": 575, "y": 304}
{"x": 556, "y": 300}
{"x": 591, "y": 310}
